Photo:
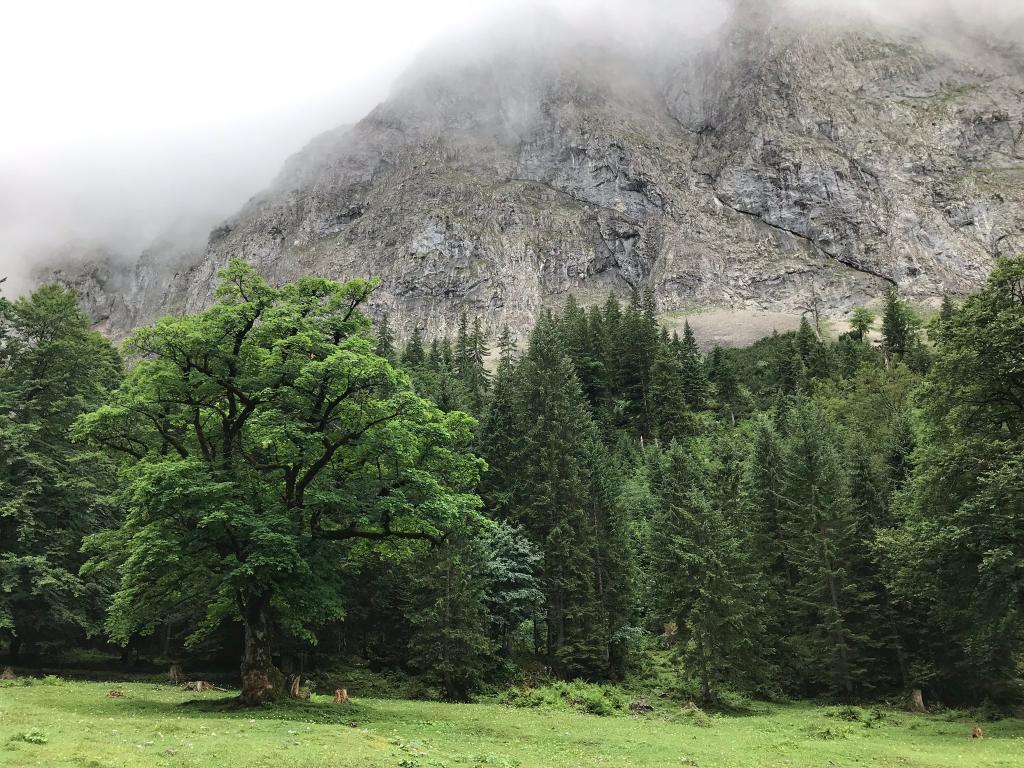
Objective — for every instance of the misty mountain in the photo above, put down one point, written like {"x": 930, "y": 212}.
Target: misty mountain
{"x": 776, "y": 163}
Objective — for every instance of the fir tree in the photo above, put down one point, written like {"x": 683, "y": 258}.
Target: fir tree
{"x": 551, "y": 499}
{"x": 473, "y": 372}
{"x": 414, "y": 354}
{"x": 637, "y": 342}
{"x": 820, "y": 528}
{"x": 723, "y": 378}
{"x": 385, "y": 339}
{"x": 706, "y": 584}
{"x": 500, "y": 434}
{"x": 695, "y": 382}
{"x": 898, "y": 326}
{"x": 669, "y": 409}
{"x": 450, "y": 641}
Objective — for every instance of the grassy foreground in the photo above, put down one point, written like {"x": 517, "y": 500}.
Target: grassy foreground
{"x": 77, "y": 724}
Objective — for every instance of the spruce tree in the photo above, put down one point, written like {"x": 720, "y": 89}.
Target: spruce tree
{"x": 637, "y": 342}
{"x": 669, "y": 409}
{"x": 765, "y": 491}
{"x": 723, "y": 378}
{"x": 462, "y": 354}
{"x": 473, "y": 372}
{"x": 613, "y": 557}
{"x": 812, "y": 351}
{"x": 551, "y": 497}
{"x": 695, "y": 382}
{"x": 705, "y": 583}
{"x": 414, "y": 354}
{"x": 500, "y": 430}
{"x": 385, "y": 339}
{"x": 898, "y": 326}
{"x": 450, "y": 641}
{"x": 870, "y": 490}
{"x": 581, "y": 334}
{"x": 820, "y": 532}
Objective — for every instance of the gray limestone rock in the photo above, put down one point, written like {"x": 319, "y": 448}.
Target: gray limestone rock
{"x": 769, "y": 168}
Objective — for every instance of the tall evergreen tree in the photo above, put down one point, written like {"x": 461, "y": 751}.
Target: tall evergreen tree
{"x": 636, "y": 345}
{"x": 820, "y": 529}
{"x": 53, "y": 491}
{"x": 551, "y": 498}
{"x": 669, "y": 409}
{"x": 414, "y": 354}
{"x": 499, "y": 432}
{"x": 695, "y": 382}
{"x": 385, "y": 339}
{"x": 450, "y": 641}
{"x": 706, "y": 584}
{"x": 727, "y": 392}
{"x": 899, "y": 326}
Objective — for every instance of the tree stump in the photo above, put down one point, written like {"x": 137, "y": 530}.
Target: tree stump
{"x": 8, "y": 674}
{"x": 915, "y": 702}
{"x": 176, "y": 675}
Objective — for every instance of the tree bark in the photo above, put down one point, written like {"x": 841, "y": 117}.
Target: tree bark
{"x": 915, "y": 702}
{"x": 262, "y": 682}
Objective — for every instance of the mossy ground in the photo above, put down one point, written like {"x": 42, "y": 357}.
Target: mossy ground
{"x": 78, "y": 724}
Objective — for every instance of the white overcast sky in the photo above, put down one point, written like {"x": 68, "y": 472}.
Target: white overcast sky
{"x": 118, "y": 113}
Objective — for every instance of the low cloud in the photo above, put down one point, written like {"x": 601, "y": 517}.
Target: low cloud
{"x": 125, "y": 126}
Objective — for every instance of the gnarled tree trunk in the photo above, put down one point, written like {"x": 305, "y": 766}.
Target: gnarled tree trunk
{"x": 261, "y": 680}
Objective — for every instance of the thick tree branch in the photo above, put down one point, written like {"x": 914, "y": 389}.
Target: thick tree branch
{"x": 317, "y": 466}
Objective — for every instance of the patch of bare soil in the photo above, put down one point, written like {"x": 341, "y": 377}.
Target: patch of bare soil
{"x": 733, "y": 328}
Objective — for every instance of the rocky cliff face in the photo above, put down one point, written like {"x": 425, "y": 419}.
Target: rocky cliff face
{"x": 771, "y": 166}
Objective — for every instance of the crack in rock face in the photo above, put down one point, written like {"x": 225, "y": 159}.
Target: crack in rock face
{"x": 762, "y": 169}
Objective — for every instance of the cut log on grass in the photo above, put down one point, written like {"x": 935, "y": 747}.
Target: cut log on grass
{"x": 341, "y": 696}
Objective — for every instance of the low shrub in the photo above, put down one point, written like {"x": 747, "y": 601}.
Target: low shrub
{"x": 848, "y": 713}
{"x": 34, "y": 736}
{"x": 696, "y": 716}
{"x": 829, "y": 733}
{"x": 589, "y": 698}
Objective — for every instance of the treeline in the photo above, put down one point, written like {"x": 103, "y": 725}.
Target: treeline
{"x": 804, "y": 517}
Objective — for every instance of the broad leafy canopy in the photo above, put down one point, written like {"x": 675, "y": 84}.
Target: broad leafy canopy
{"x": 258, "y": 437}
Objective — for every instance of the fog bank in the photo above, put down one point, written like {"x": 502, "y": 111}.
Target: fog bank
{"x": 125, "y": 122}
